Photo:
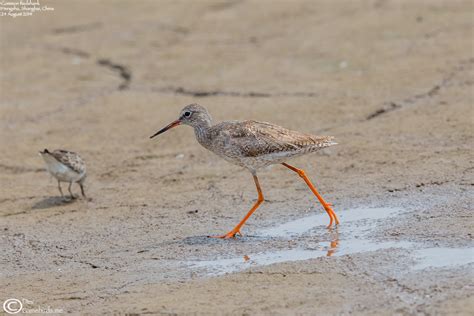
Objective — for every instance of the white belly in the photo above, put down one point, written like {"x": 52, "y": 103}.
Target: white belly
{"x": 62, "y": 172}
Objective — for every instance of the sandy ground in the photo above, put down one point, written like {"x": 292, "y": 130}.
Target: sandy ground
{"x": 392, "y": 80}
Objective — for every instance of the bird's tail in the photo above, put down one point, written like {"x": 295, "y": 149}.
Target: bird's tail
{"x": 326, "y": 141}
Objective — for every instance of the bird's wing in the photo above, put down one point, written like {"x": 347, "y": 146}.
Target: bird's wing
{"x": 69, "y": 159}
{"x": 260, "y": 138}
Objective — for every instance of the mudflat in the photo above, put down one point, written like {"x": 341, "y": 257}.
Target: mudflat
{"x": 391, "y": 80}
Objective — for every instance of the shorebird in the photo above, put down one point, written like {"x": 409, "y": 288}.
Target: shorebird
{"x": 253, "y": 145}
{"x": 65, "y": 166}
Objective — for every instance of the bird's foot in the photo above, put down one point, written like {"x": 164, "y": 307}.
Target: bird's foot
{"x": 229, "y": 235}
{"x": 332, "y": 215}
{"x": 70, "y": 198}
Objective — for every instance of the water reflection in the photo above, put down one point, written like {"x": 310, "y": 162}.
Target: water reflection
{"x": 353, "y": 236}
{"x": 334, "y": 243}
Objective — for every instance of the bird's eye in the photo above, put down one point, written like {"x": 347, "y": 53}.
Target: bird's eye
{"x": 187, "y": 114}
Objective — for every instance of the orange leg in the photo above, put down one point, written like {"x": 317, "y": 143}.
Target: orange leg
{"x": 236, "y": 229}
{"x": 327, "y": 206}
{"x": 333, "y": 245}
{"x": 332, "y": 250}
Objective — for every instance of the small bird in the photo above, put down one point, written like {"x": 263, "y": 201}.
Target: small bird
{"x": 253, "y": 145}
{"x": 65, "y": 166}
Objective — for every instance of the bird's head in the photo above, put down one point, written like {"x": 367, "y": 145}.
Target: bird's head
{"x": 44, "y": 152}
{"x": 194, "y": 115}
{"x": 47, "y": 156}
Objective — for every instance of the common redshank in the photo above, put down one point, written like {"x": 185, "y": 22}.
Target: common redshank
{"x": 253, "y": 145}
{"x": 65, "y": 166}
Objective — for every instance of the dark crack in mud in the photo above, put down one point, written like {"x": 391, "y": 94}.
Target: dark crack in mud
{"x": 238, "y": 94}
{"x": 77, "y": 28}
{"x": 433, "y": 91}
{"x": 122, "y": 70}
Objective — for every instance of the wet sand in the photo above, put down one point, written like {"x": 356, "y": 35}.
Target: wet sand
{"x": 392, "y": 81}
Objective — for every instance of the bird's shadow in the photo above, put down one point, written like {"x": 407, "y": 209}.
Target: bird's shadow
{"x": 51, "y": 201}
{"x": 206, "y": 240}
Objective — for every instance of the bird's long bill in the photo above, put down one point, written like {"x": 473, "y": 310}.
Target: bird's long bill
{"x": 167, "y": 127}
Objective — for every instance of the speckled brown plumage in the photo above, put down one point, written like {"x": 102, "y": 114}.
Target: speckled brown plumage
{"x": 253, "y": 145}
{"x": 250, "y": 144}
{"x": 65, "y": 166}
{"x": 70, "y": 159}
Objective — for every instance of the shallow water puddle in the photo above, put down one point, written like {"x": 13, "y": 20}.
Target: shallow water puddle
{"x": 350, "y": 238}
{"x": 425, "y": 258}
{"x": 365, "y": 218}
{"x": 442, "y": 257}
{"x": 220, "y": 266}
